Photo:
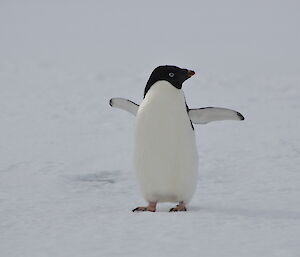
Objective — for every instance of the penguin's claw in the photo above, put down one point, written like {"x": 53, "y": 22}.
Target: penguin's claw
{"x": 178, "y": 208}
{"x": 151, "y": 207}
{"x": 138, "y": 209}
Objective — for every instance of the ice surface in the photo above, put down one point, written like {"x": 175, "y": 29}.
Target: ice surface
{"x": 67, "y": 182}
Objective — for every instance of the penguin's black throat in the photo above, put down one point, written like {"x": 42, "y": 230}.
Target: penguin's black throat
{"x": 173, "y": 74}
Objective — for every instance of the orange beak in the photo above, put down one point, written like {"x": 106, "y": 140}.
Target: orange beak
{"x": 191, "y": 73}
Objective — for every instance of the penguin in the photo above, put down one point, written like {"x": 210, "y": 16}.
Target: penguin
{"x": 165, "y": 154}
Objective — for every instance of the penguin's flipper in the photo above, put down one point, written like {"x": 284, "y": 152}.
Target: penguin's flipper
{"x": 209, "y": 114}
{"x": 124, "y": 104}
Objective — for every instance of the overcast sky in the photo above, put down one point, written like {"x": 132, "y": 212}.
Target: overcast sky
{"x": 233, "y": 36}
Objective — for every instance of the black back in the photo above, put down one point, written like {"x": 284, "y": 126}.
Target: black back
{"x": 173, "y": 74}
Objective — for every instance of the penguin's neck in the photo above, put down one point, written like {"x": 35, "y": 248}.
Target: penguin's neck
{"x": 164, "y": 93}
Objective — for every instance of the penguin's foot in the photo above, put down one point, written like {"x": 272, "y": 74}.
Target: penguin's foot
{"x": 143, "y": 208}
{"x": 151, "y": 207}
{"x": 179, "y": 207}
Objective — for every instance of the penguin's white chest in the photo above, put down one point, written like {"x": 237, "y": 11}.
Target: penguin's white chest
{"x": 166, "y": 156}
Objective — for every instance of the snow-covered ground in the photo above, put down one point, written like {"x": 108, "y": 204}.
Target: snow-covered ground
{"x": 67, "y": 183}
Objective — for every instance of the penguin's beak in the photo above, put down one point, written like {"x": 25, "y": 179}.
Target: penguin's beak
{"x": 191, "y": 73}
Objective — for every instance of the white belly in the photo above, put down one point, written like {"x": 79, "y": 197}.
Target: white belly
{"x": 166, "y": 156}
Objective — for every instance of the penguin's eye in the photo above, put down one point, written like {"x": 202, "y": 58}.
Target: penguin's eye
{"x": 171, "y": 74}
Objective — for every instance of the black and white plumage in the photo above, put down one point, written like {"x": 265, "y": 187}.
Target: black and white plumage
{"x": 124, "y": 104}
{"x": 202, "y": 115}
{"x": 166, "y": 157}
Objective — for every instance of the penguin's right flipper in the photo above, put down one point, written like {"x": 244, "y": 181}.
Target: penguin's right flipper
{"x": 209, "y": 114}
{"x": 124, "y": 104}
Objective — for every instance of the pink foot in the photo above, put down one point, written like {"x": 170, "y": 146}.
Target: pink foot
{"x": 179, "y": 207}
{"x": 151, "y": 207}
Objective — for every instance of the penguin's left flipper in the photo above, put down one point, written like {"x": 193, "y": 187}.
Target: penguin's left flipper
{"x": 124, "y": 104}
{"x": 209, "y": 114}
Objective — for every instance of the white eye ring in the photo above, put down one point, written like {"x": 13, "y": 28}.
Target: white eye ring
{"x": 171, "y": 74}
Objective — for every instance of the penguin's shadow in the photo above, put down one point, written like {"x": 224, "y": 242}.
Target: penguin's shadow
{"x": 258, "y": 213}
{"x": 103, "y": 177}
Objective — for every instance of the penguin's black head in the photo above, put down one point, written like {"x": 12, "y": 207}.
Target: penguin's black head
{"x": 175, "y": 75}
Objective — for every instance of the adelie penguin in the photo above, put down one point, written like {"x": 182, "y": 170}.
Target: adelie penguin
{"x": 166, "y": 158}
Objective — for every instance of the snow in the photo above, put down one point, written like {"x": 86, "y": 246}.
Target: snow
{"x": 67, "y": 184}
